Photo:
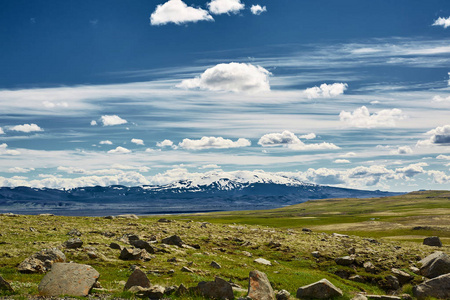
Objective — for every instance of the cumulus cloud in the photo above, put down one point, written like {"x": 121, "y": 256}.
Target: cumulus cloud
{"x": 444, "y": 22}
{"x": 326, "y": 90}
{"x": 290, "y": 140}
{"x": 165, "y": 143}
{"x": 234, "y": 77}
{"x": 411, "y": 170}
{"x": 5, "y": 151}
{"x": 93, "y": 123}
{"x": 176, "y": 11}
{"x": 439, "y": 177}
{"x": 309, "y": 136}
{"x": 341, "y": 161}
{"x": 438, "y": 136}
{"x": 218, "y": 7}
{"x": 119, "y": 150}
{"x": 257, "y": 9}
{"x": 107, "y": 142}
{"x": 440, "y": 99}
{"x": 137, "y": 141}
{"x": 111, "y": 120}
{"x": 26, "y": 128}
{"x": 20, "y": 170}
{"x": 1, "y": 131}
{"x": 402, "y": 150}
{"x": 442, "y": 156}
{"x": 362, "y": 118}
{"x": 214, "y": 143}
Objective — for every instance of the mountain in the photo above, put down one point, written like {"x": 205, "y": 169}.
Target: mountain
{"x": 184, "y": 196}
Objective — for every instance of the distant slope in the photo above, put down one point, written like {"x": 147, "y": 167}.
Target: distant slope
{"x": 180, "y": 197}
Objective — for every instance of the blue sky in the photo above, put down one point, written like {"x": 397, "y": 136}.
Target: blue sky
{"x": 345, "y": 93}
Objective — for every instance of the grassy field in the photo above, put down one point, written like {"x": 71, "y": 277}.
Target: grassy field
{"x": 236, "y": 239}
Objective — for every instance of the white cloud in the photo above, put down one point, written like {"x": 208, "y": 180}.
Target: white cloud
{"x": 210, "y": 166}
{"x": 412, "y": 170}
{"x": 308, "y": 136}
{"x": 361, "y": 117}
{"x": 213, "y": 142}
{"x": 119, "y": 150}
{"x": 291, "y": 141}
{"x": 234, "y": 77}
{"x": 111, "y": 120}
{"x": 441, "y": 99}
{"x": 26, "y": 128}
{"x": 20, "y": 170}
{"x": 165, "y": 143}
{"x": 50, "y": 104}
{"x": 444, "y": 22}
{"x": 150, "y": 150}
{"x": 176, "y": 11}
{"x": 402, "y": 150}
{"x": 257, "y": 9}
{"x": 1, "y": 131}
{"x": 348, "y": 154}
{"x": 93, "y": 123}
{"x": 438, "y": 136}
{"x": 341, "y": 161}
{"x": 326, "y": 90}
{"x": 4, "y": 151}
{"x": 106, "y": 142}
{"x": 218, "y": 7}
{"x": 442, "y": 156}
{"x": 439, "y": 177}
{"x": 137, "y": 141}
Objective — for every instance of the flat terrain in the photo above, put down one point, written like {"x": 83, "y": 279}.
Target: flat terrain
{"x": 235, "y": 239}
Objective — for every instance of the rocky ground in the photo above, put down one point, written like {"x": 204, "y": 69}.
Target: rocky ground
{"x": 185, "y": 259}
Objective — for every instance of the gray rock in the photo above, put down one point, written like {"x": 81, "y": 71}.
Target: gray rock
{"x": 402, "y": 276}
{"x": 73, "y": 243}
{"x": 115, "y": 246}
{"x": 369, "y": 267}
{"x": 432, "y": 241}
{"x": 186, "y": 269}
{"x": 283, "y": 295}
{"x": 133, "y": 254}
{"x": 5, "y": 286}
{"x": 74, "y": 232}
{"x": 168, "y": 290}
{"x": 306, "y": 230}
{"x": 359, "y": 297}
{"x": 68, "y": 279}
{"x": 42, "y": 261}
{"x": 390, "y": 283}
{"x": 438, "y": 287}
{"x": 263, "y": 261}
{"x": 435, "y": 264}
{"x": 357, "y": 278}
{"x": 143, "y": 245}
{"x": 322, "y": 289}
{"x": 315, "y": 254}
{"x": 127, "y": 216}
{"x": 345, "y": 260}
{"x": 259, "y": 286}
{"x": 154, "y": 292}
{"x": 215, "y": 265}
{"x": 340, "y": 235}
{"x": 382, "y": 297}
{"x": 137, "y": 278}
{"x": 164, "y": 220}
{"x": 173, "y": 240}
{"x": 217, "y": 289}
{"x": 182, "y": 290}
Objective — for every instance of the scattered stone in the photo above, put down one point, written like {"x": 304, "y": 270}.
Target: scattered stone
{"x": 170, "y": 289}
{"x": 360, "y": 297}
{"x": 46, "y": 215}
{"x": 438, "y": 287}
{"x": 137, "y": 278}
{"x": 164, "y": 220}
{"x": 432, "y": 241}
{"x": 315, "y": 254}
{"x": 68, "y": 279}
{"x": 181, "y": 290}
{"x": 345, "y": 260}
{"x": 246, "y": 253}
{"x": 137, "y": 289}
{"x": 73, "y": 243}
{"x": 322, "y": 289}
{"x": 340, "y": 235}
{"x": 42, "y": 261}
{"x": 273, "y": 244}
{"x": 306, "y": 230}
{"x": 357, "y": 278}
{"x": 342, "y": 273}
{"x": 154, "y": 292}
{"x": 115, "y": 246}
{"x": 390, "y": 283}
{"x": 217, "y": 289}
{"x": 204, "y": 225}
{"x": 283, "y": 295}
{"x": 373, "y": 241}
{"x": 5, "y": 286}
{"x": 172, "y": 259}
{"x": 406, "y": 297}
{"x": 9, "y": 215}
{"x": 143, "y": 245}
{"x": 92, "y": 255}
{"x": 414, "y": 270}
{"x": 127, "y": 216}
{"x": 110, "y": 217}
{"x": 74, "y": 232}
{"x": 215, "y": 265}
{"x": 382, "y": 297}
{"x": 263, "y": 261}
{"x": 435, "y": 264}
{"x": 259, "y": 286}
{"x": 402, "y": 276}
{"x": 173, "y": 240}
{"x": 186, "y": 269}
{"x": 369, "y": 267}
{"x": 133, "y": 254}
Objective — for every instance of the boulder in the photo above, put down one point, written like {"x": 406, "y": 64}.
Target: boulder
{"x": 5, "y": 286}
{"x": 154, "y": 292}
{"x": 127, "y": 216}
{"x": 68, "y": 279}
{"x": 173, "y": 240}
{"x": 217, "y": 289}
{"x": 357, "y": 278}
{"x": 345, "y": 260}
{"x": 402, "y": 276}
{"x": 42, "y": 261}
{"x": 74, "y": 232}
{"x": 322, "y": 289}
{"x": 259, "y": 287}
{"x": 390, "y": 283}
{"x": 432, "y": 241}
{"x": 115, "y": 246}
{"x": 137, "y": 278}
{"x": 435, "y": 264}
{"x": 359, "y": 297}
{"x": 186, "y": 269}
{"x": 215, "y": 265}
{"x": 143, "y": 245}
{"x": 133, "y": 254}
{"x": 73, "y": 243}
{"x": 263, "y": 261}
{"x": 369, "y": 267}
{"x": 438, "y": 287}
{"x": 315, "y": 254}
{"x": 283, "y": 295}
{"x": 164, "y": 220}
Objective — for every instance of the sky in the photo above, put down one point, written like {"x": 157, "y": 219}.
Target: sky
{"x": 343, "y": 93}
